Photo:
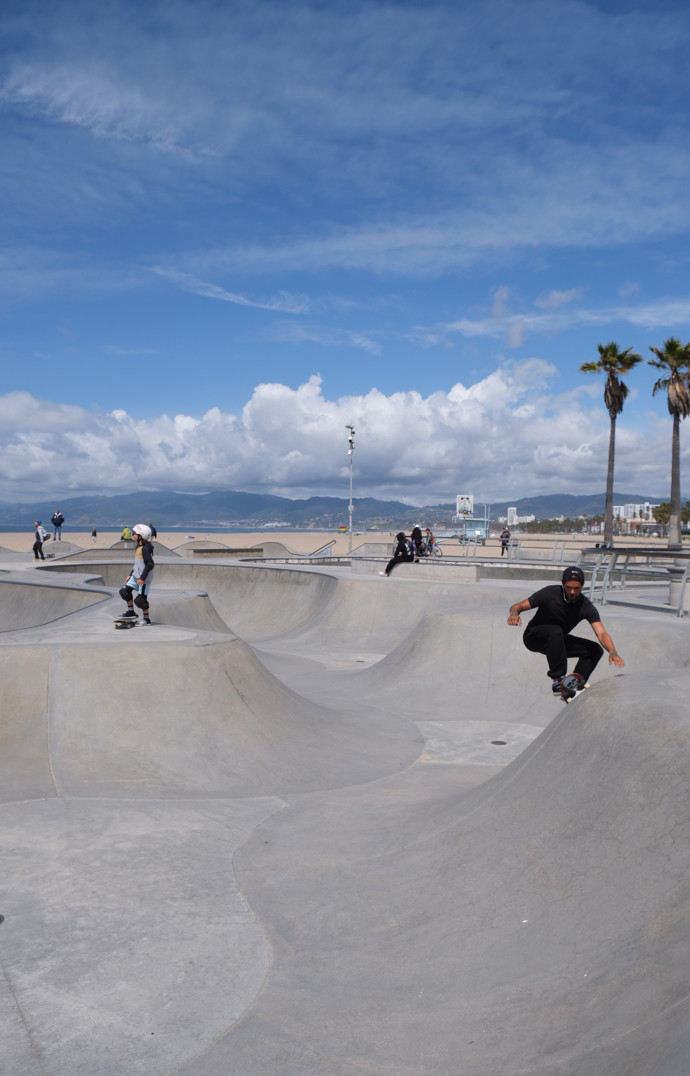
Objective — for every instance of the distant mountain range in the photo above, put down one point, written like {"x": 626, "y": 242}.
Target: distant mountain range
{"x": 238, "y": 509}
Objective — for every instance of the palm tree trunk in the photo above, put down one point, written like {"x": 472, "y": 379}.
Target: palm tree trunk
{"x": 608, "y": 514}
{"x": 674, "y": 539}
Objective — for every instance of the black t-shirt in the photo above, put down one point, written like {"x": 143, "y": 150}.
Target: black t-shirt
{"x": 552, "y": 608}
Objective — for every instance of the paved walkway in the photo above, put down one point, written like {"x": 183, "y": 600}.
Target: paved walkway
{"x": 312, "y": 824}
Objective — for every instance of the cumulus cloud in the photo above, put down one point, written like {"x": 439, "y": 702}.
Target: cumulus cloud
{"x": 505, "y": 436}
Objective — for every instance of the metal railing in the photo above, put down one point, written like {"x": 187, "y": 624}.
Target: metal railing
{"x": 624, "y": 564}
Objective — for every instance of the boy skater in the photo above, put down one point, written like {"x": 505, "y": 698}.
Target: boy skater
{"x": 559, "y": 609}
{"x": 139, "y": 579}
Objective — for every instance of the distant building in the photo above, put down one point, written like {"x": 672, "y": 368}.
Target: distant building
{"x": 635, "y": 513}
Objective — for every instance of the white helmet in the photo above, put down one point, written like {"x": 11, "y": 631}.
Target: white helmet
{"x": 142, "y": 530}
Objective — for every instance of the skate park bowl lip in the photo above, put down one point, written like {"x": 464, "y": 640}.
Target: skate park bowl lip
{"x": 30, "y": 604}
{"x": 280, "y": 821}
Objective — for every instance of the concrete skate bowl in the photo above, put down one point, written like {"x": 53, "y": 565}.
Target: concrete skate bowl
{"x": 538, "y": 924}
{"x": 27, "y": 605}
{"x": 191, "y": 719}
{"x": 115, "y": 554}
{"x": 201, "y": 545}
{"x": 391, "y": 915}
{"x": 255, "y": 602}
{"x": 472, "y": 665}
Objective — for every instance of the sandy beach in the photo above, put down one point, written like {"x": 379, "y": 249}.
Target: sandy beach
{"x": 299, "y": 541}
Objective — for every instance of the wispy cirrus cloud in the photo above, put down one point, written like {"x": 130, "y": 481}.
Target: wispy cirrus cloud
{"x": 325, "y": 336}
{"x": 502, "y": 324}
{"x": 265, "y": 93}
{"x": 283, "y": 303}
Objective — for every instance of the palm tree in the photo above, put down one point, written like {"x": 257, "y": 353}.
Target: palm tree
{"x": 675, "y": 360}
{"x": 613, "y": 363}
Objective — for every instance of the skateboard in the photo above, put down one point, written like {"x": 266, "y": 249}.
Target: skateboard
{"x": 571, "y": 685}
{"x": 125, "y": 622}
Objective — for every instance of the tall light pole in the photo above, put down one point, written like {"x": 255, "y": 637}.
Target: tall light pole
{"x": 351, "y": 452}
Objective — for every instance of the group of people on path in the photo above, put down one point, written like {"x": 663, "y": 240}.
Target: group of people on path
{"x": 409, "y": 550}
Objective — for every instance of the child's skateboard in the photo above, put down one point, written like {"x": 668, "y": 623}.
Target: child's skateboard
{"x": 129, "y": 621}
{"x": 572, "y": 685}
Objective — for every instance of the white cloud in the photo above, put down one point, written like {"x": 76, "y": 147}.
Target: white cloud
{"x": 503, "y": 437}
{"x": 555, "y": 299}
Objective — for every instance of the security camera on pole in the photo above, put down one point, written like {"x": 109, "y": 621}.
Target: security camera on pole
{"x": 350, "y": 452}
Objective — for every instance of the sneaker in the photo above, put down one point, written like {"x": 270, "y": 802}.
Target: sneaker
{"x": 129, "y": 615}
{"x": 556, "y": 685}
{"x": 146, "y": 620}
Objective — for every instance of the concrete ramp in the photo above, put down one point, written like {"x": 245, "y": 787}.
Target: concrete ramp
{"x": 537, "y": 924}
{"x": 24, "y": 605}
{"x": 177, "y": 718}
{"x": 470, "y": 665}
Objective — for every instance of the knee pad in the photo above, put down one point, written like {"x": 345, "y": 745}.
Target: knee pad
{"x": 141, "y": 602}
{"x": 126, "y": 593}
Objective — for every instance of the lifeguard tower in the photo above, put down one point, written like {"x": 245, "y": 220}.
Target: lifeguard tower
{"x": 472, "y": 528}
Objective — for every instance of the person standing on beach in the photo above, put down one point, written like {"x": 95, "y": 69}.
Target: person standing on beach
{"x": 505, "y": 540}
{"x": 94, "y": 534}
{"x": 40, "y": 537}
{"x": 57, "y": 519}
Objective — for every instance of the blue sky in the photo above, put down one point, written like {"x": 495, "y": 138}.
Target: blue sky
{"x": 229, "y": 229}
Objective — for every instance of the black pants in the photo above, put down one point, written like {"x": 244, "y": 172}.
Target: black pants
{"x": 38, "y": 550}
{"x": 399, "y": 559}
{"x": 558, "y": 646}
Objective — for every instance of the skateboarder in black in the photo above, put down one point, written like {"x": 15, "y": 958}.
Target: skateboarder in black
{"x": 560, "y": 608}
